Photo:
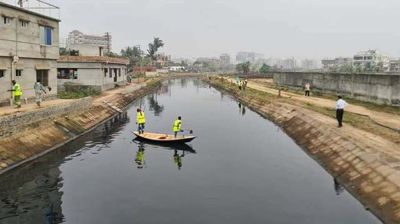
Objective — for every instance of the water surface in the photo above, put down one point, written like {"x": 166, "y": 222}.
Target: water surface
{"x": 241, "y": 169}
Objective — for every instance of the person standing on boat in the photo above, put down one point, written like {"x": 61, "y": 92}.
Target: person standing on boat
{"x": 177, "y": 126}
{"x": 140, "y": 120}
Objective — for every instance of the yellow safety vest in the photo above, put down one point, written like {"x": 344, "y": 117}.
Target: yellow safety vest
{"x": 17, "y": 90}
{"x": 177, "y": 125}
{"x": 141, "y": 119}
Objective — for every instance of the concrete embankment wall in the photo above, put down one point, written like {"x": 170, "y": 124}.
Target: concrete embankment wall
{"x": 19, "y": 122}
{"x": 28, "y": 136}
{"x": 363, "y": 167}
{"x": 376, "y": 88}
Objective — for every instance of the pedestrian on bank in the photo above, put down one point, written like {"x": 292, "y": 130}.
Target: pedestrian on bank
{"x": 307, "y": 88}
{"x": 244, "y": 84}
{"x": 39, "y": 91}
{"x": 17, "y": 93}
{"x": 340, "y": 105}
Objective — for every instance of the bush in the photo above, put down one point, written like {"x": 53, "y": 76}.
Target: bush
{"x": 78, "y": 94}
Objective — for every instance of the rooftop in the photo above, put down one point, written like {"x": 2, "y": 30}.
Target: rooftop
{"x": 2, "y": 4}
{"x": 94, "y": 59}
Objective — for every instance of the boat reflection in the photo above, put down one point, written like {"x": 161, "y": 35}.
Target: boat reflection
{"x": 180, "y": 150}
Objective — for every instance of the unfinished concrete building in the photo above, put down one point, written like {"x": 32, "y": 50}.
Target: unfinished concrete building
{"x": 95, "y": 72}
{"x": 29, "y": 49}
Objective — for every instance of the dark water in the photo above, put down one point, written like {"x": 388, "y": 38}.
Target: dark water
{"x": 240, "y": 169}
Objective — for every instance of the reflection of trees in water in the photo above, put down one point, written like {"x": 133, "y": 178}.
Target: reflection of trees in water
{"x": 184, "y": 83}
{"x": 198, "y": 83}
{"x": 154, "y": 105}
{"x": 31, "y": 193}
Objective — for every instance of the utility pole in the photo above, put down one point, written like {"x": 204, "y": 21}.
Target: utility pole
{"x": 108, "y": 42}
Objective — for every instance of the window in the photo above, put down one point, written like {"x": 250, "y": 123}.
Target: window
{"x": 43, "y": 77}
{"x": 46, "y": 35}
{"x": 67, "y": 73}
{"x": 105, "y": 72}
{"x": 110, "y": 75}
{"x": 2, "y": 73}
{"x": 18, "y": 73}
{"x": 24, "y": 23}
{"x": 7, "y": 20}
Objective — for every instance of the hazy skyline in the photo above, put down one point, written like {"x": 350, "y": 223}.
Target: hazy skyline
{"x": 280, "y": 28}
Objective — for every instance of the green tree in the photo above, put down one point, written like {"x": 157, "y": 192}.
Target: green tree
{"x": 243, "y": 67}
{"x": 154, "y": 46}
{"x": 134, "y": 54}
{"x": 64, "y": 51}
{"x": 265, "y": 68}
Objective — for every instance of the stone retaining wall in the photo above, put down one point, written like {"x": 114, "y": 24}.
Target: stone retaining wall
{"x": 46, "y": 135}
{"x": 15, "y": 123}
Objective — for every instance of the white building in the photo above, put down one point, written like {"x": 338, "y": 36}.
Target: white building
{"x": 394, "y": 65}
{"x": 371, "y": 60}
{"x": 28, "y": 50}
{"x": 89, "y": 45}
{"x": 176, "y": 68}
{"x": 96, "y": 72}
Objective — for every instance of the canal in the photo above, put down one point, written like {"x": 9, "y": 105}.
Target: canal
{"x": 241, "y": 169}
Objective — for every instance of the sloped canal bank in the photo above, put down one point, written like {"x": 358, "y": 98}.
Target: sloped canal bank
{"x": 241, "y": 169}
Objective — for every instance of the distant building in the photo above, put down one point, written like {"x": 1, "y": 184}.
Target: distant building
{"x": 394, "y": 65}
{"x": 371, "y": 60}
{"x": 336, "y": 63}
{"x": 308, "y": 64}
{"x": 162, "y": 60}
{"x": 89, "y": 45}
{"x": 28, "y": 50}
{"x": 242, "y": 57}
{"x": 96, "y": 72}
{"x": 176, "y": 68}
{"x": 225, "y": 59}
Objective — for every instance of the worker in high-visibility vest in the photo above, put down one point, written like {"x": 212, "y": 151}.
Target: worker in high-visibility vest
{"x": 177, "y": 126}
{"x": 17, "y": 93}
{"x": 140, "y": 120}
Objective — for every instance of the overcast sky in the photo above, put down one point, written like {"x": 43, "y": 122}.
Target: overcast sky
{"x": 277, "y": 28}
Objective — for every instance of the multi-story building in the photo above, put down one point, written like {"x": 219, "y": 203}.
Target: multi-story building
{"x": 29, "y": 50}
{"x": 394, "y": 65}
{"x": 162, "y": 60}
{"x": 371, "y": 60}
{"x": 89, "y": 45}
{"x": 251, "y": 57}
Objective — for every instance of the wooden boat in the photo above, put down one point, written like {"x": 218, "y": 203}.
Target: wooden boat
{"x": 164, "y": 138}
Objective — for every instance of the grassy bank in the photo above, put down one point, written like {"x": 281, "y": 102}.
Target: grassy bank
{"x": 355, "y": 120}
